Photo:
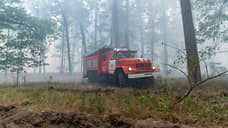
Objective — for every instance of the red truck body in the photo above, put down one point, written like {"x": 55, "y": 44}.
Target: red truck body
{"x": 121, "y": 64}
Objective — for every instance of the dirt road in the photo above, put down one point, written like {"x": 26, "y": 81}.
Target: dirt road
{"x": 12, "y": 117}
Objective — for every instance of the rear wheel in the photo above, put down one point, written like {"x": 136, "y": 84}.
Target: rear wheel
{"x": 90, "y": 78}
{"x": 93, "y": 77}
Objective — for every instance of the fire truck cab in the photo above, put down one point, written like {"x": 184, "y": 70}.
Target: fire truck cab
{"x": 121, "y": 64}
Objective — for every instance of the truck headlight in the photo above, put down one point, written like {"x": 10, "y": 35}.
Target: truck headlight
{"x": 130, "y": 69}
{"x": 153, "y": 67}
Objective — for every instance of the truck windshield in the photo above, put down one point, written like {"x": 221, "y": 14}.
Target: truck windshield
{"x": 126, "y": 55}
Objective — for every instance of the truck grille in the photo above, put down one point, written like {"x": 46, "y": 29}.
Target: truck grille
{"x": 143, "y": 67}
{"x": 140, "y": 65}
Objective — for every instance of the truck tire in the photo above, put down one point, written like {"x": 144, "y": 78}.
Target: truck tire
{"x": 90, "y": 77}
{"x": 93, "y": 77}
{"x": 122, "y": 79}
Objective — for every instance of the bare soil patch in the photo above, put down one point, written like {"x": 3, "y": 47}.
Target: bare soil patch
{"x": 12, "y": 117}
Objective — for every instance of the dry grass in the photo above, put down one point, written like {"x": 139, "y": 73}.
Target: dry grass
{"x": 204, "y": 109}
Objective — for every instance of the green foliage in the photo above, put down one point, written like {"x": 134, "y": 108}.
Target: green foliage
{"x": 83, "y": 100}
{"x": 25, "y": 39}
{"x": 142, "y": 99}
{"x": 26, "y": 102}
{"x": 212, "y": 20}
{"x": 215, "y": 106}
{"x": 44, "y": 125}
{"x": 99, "y": 102}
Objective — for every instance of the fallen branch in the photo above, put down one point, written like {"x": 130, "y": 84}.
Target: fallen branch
{"x": 193, "y": 86}
{"x": 178, "y": 69}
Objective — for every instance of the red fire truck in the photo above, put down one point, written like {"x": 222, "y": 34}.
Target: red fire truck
{"x": 121, "y": 64}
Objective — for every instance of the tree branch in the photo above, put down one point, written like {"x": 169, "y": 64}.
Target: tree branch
{"x": 174, "y": 67}
{"x": 185, "y": 96}
{"x": 193, "y": 86}
{"x": 210, "y": 78}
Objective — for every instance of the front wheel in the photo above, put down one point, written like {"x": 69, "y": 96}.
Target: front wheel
{"x": 122, "y": 79}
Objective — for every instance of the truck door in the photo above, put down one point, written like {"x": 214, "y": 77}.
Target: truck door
{"x": 112, "y": 63}
{"x": 104, "y": 67}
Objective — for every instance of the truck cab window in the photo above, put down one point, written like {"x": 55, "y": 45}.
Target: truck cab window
{"x": 105, "y": 57}
{"x": 121, "y": 55}
{"x": 112, "y": 56}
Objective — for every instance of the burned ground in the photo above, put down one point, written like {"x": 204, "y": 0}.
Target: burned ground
{"x": 85, "y": 105}
{"x": 12, "y": 117}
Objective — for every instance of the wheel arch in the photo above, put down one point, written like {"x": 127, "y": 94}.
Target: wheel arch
{"x": 117, "y": 71}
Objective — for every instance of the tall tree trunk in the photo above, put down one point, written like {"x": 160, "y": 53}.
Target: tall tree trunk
{"x": 127, "y": 24}
{"x": 17, "y": 82}
{"x": 140, "y": 7}
{"x": 84, "y": 51}
{"x": 42, "y": 54}
{"x": 152, "y": 51}
{"x": 19, "y": 66}
{"x": 68, "y": 42}
{"x": 115, "y": 25}
{"x": 43, "y": 61}
{"x": 190, "y": 42}
{"x": 62, "y": 53}
{"x": 102, "y": 39}
{"x": 42, "y": 58}
{"x": 141, "y": 36}
{"x": 7, "y": 53}
{"x": 83, "y": 38}
{"x": 40, "y": 61}
{"x": 164, "y": 29}
{"x": 152, "y": 40}
{"x": 95, "y": 26}
{"x": 74, "y": 52}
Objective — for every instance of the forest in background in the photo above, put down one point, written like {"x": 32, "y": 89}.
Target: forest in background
{"x": 55, "y": 34}
{"x": 42, "y": 43}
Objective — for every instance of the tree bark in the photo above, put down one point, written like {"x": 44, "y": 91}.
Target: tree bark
{"x": 68, "y": 42}
{"x": 190, "y": 42}
{"x": 115, "y": 25}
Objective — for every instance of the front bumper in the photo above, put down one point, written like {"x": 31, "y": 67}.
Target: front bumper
{"x": 144, "y": 75}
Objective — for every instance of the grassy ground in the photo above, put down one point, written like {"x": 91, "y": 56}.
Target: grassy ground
{"x": 207, "y": 107}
